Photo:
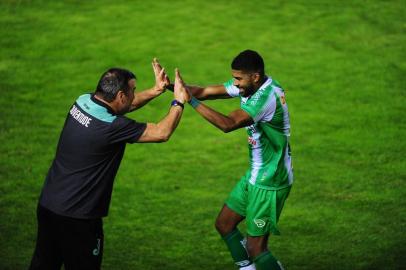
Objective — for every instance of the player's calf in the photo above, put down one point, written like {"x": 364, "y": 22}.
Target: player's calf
{"x": 266, "y": 261}
{"x": 236, "y": 244}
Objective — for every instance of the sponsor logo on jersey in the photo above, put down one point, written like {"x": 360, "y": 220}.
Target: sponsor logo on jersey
{"x": 257, "y": 96}
{"x": 252, "y": 128}
{"x": 259, "y": 222}
{"x": 252, "y": 141}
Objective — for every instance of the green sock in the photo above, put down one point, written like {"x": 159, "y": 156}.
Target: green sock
{"x": 236, "y": 244}
{"x": 266, "y": 261}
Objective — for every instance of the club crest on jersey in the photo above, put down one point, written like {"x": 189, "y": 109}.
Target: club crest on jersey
{"x": 283, "y": 100}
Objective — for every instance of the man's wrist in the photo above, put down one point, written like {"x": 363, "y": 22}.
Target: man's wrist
{"x": 194, "y": 102}
{"x": 177, "y": 103}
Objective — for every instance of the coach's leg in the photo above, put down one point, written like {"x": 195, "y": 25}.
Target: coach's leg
{"x": 258, "y": 249}
{"x": 83, "y": 244}
{"x": 47, "y": 255}
{"x": 226, "y": 225}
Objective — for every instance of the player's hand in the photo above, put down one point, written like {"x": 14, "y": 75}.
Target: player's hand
{"x": 161, "y": 78}
{"x": 180, "y": 92}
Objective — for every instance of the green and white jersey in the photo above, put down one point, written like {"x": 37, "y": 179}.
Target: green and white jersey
{"x": 268, "y": 137}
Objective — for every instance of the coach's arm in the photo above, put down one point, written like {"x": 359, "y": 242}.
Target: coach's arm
{"x": 162, "y": 131}
{"x": 161, "y": 82}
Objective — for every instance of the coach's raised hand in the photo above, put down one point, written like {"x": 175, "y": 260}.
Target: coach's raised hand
{"x": 180, "y": 92}
{"x": 162, "y": 131}
{"x": 161, "y": 82}
{"x": 161, "y": 78}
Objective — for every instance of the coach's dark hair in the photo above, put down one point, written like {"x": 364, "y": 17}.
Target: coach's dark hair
{"x": 249, "y": 60}
{"x": 112, "y": 81}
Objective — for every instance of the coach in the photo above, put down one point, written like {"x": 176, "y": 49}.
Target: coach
{"x": 77, "y": 190}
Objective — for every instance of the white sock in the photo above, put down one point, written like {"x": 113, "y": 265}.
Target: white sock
{"x": 280, "y": 265}
{"x": 249, "y": 267}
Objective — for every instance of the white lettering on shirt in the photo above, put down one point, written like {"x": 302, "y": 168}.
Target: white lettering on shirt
{"x": 80, "y": 117}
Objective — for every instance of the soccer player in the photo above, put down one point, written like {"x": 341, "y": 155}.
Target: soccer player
{"x": 260, "y": 194}
{"x": 77, "y": 190}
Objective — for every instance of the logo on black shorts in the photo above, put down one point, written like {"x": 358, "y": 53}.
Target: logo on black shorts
{"x": 96, "y": 251}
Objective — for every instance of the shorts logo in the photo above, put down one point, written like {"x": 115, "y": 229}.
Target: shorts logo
{"x": 96, "y": 251}
{"x": 259, "y": 222}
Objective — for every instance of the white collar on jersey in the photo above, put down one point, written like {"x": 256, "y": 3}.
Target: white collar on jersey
{"x": 266, "y": 83}
{"x": 263, "y": 86}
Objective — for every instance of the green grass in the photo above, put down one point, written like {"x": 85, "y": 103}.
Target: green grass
{"x": 342, "y": 63}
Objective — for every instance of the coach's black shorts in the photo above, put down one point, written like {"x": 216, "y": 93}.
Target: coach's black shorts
{"x": 76, "y": 243}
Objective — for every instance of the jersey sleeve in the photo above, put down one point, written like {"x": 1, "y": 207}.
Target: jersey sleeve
{"x": 126, "y": 130}
{"x": 261, "y": 106}
{"x": 231, "y": 89}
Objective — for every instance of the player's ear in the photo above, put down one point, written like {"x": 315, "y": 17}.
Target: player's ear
{"x": 257, "y": 77}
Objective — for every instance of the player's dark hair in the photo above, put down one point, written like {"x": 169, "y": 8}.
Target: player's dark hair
{"x": 250, "y": 61}
{"x": 112, "y": 81}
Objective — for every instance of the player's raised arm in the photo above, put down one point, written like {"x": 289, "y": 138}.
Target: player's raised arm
{"x": 235, "y": 120}
{"x": 161, "y": 82}
{"x": 162, "y": 131}
{"x": 208, "y": 92}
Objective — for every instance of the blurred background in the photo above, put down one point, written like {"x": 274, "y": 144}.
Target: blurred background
{"x": 342, "y": 64}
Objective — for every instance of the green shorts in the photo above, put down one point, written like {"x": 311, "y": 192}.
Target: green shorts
{"x": 260, "y": 207}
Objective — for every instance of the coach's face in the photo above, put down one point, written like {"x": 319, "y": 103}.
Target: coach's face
{"x": 125, "y": 99}
{"x": 245, "y": 82}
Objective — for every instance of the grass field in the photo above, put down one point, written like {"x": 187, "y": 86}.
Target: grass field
{"x": 343, "y": 64}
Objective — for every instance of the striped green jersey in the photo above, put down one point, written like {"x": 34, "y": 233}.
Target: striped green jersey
{"x": 268, "y": 137}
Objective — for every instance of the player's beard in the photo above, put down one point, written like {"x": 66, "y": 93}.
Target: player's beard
{"x": 247, "y": 91}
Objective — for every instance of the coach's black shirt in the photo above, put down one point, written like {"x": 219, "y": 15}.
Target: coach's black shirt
{"x": 80, "y": 181}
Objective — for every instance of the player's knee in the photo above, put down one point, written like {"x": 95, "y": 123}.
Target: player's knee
{"x": 219, "y": 225}
{"x": 222, "y": 226}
